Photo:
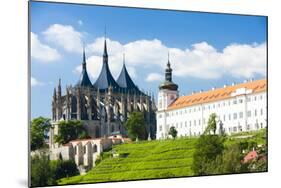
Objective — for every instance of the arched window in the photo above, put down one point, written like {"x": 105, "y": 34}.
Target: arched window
{"x": 95, "y": 148}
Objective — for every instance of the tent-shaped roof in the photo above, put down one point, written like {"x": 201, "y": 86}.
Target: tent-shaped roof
{"x": 125, "y": 82}
{"x": 105, "y": 78}
{"x": 84, "y": 78}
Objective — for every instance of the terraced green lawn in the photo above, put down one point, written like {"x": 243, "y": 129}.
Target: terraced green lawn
{"x": 152, "y": 159}
{"x": 142, "y": 160}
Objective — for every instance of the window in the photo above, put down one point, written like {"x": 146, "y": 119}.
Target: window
{"x": 199, "y": 122}
{"x": 256, "y": 113}
{"x": 261, "y": 97}
{"x": 249, "y": 113}
{"x": 235, "y": 116}
{"x": 209, "y": 107}
{"x": 224, "y": 117}
{"x": 219, "y": 105}
{"x": 261, "y": 125}
{"x": 240, "y": 100}
{"x": 214, "y": 106}
{"x": 181, "y": 124}
{"x": 185, "y": 124}
{"x": 203, "y": 120}
{"x": 194, "y": 110}
{"x": 189, "y": 110}
{"x": 261, "y": 112}
{"x": 229, "y": 117}
{"x": 203, "y": 107}
{"x": 223, "y": 103}
{"x": 255, "y": 98}
{"x": 241, "y": 115}
{"x": 234, "y": 101}
{"x": 248, "y": 99}
{"x": 160, "y": 128}
{"x": 189, "y": 123}
{"x": 194, "y": 122}
{"x": 198, "y": 108}
{"x": 160, "y": 116}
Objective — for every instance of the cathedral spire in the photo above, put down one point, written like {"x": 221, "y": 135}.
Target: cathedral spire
{"x": 105, "y": 55}
{"x": 84, "y": 57}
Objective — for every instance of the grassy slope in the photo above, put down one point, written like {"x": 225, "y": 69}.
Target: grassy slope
{"x": 151, "y": 159}
{"x": 145, "y": 160}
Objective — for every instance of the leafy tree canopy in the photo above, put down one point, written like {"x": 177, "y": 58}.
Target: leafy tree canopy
{"x": 212, "y": 124}
{"x": 207, "y": 155}
{"x": 135, "y": 126}
{"x": 173, "y": 132}
{"x": 70, "y": 130}
{"x": 38, "y": 133}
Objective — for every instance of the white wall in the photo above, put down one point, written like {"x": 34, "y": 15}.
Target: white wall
{"x": 239, "y": 113}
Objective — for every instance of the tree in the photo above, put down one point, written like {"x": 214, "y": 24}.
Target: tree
{"x": 212, "y": 124}
{"x": 38, "y": 132}
{"x": 41, "y": 174}
{"x": 135, "y": 126}
{"x": 208, "y": 154}
{"x": 70, "y": 130}
{"x": 232, "y": 157}
{"x": 62, "y": 169}
{"x": 173, "y": 132}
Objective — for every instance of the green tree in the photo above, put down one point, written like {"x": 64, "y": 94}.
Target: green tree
{"x": 212, "y": 124}
{"x": 173, "y": 132}
{"x": 208, "y": 154}
{"x": 70, "y": 130}
{"x": 41, "y": 173}
{"x": 232, "y": 157}
{"x": 62, "y": 169}
{"x": 38, "y": 132}
{"x": 135, "y": 126}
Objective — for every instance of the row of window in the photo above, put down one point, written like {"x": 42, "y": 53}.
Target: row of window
{"x": 235, "y": 115}
{"x": 213, "y": 106}
{"x": 230, "y": 129}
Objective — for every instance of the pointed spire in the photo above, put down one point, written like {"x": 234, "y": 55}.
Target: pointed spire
{"x": 84, "y": 57}
{"x": 55, "y": 94}
{"x": 168, "y": 64}
{"x": 123, "y": 58}
{"x": 59, "y": 88}
{"x": 105, "y": 46}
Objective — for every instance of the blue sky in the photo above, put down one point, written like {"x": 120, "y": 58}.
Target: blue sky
{"x": 206, "y": 50}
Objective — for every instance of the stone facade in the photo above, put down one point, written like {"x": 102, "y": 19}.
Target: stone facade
{"x": 103, "y": 107}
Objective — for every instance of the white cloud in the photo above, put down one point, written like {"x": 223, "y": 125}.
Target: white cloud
{"x": 42, "y": 52}
{"x": 201, "y": 60}
{"x": 80, "y": 22}
{"x": 65, "y": 36}
{"x": 154, "y": 77}
{"x": 35, "y": 82}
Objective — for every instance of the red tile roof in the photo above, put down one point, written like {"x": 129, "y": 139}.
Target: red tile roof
{"x": 217, "y": 94}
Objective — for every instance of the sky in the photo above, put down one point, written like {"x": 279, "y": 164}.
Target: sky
{"x": 206, "y": 49}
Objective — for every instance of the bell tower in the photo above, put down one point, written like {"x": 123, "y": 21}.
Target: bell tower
{"x": 168, "y": 90}
{"x": 168, "y": 93}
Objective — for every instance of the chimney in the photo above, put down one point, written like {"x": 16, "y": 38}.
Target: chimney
{"x": 213, "y": 88}
{"x": 224, "y": 86}
{"x": 233, "y": 84}
{"x": 245, "y": 81}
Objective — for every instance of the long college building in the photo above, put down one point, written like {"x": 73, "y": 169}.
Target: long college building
{"x": 239, "y": 107}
